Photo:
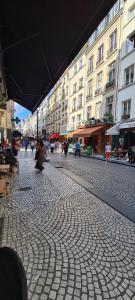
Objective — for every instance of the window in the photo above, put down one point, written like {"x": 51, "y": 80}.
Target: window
{"x": 90, "y": 88}
{"x": 80, "y": 83}
{"x": 75, "y": 69}
{"x": 74, "y": 87}
{"x": 129, "y": 75}
{"x": 131, "y": 12}
{"x": 73, "y": 123}
{"x": 100, "y": 54}
{"x": 111, "y": 72}
{"x": 99, "y": 81}
{"x": 80, "y": 63}
{"x": 89, "y": 110}
{"x": 98, "y": 107}
{"x": 109, "y": 105}
{"x": 126, "y": 108}
{"x": 90, "y": 64}
{"x": 74, "y": 104}
{"x": 113, "y": 42}
{"x": 79, "y": 120}
{"x": 130, "y": 43}
{"x": 80, "y": 101}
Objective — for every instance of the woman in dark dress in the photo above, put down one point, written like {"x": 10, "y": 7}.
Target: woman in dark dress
{"x": 40, "y": 156}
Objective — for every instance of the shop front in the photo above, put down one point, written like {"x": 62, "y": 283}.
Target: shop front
{"x": 123, "y": 134}
{"x": 92, "y": 139}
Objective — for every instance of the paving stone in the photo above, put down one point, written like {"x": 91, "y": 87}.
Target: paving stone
{"x": 72, "y": 244}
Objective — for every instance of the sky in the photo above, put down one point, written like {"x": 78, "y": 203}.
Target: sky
{"x": 21, "y": 112}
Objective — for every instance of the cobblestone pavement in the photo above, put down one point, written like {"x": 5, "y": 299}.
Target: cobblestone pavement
{"x": 73, "y": 246}
{"x": 116, "y": 179}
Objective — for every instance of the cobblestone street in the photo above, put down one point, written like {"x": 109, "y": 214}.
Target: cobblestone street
{"x": 72, "y": 245}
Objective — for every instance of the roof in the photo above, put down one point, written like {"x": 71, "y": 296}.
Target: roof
{"x": 40, "y": 39}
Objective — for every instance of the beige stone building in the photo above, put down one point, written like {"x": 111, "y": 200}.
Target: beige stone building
{"x": 77, "y": 90}
{"x": 102, "y": 58}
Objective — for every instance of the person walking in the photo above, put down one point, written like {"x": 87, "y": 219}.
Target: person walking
{"x": 26, "y": 144}
{"x": 32, "y": 145}
{"x": 52, "y": 146}
{"x": 15, "y": 146}
{"x": 77, "y": 148}
{"x": 40, "y": 156}
{"x": 108, "y": 149}
{"x": 65, "y": 147}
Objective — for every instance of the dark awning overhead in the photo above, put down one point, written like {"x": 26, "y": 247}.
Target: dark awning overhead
{"x": 40, "y": 39}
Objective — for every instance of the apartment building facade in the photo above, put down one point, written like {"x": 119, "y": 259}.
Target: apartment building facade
{"x": 102, "y": 60}
{"x": 77, "y": 90}
{"x": 126, "y": 88}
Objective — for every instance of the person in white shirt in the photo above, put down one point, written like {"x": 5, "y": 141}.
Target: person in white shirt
{"x": 108, "y": 150}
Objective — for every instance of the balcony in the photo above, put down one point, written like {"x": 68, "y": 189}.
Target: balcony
{"x": 125, "y": 117}
{"x": 110, "y": 84}
{"x": 111, "y": 50}
{"x": 98, "y": 91}
{"x": 99, "y": 61}
{"x": 89, "y": 97}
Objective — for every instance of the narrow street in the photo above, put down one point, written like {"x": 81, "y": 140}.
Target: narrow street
{"x": 72, "y": 244}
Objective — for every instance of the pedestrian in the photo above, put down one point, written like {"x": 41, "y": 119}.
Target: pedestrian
{"x": 65, "y": 147}
{"x": 52, "y": 146}
{"x": 15, "y": 146}
{"x": 26, "y": 144}
{"x": 32, "y": 145}
{"x": 40, "y": 156}
{"x": 77, "y": 148}
{"x": 108, "y": 149}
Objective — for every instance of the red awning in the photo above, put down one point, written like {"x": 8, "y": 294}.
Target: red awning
{"x": 54, "y": 136}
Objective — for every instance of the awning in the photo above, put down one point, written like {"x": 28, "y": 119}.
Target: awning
{"x": 115, "y": 130}
{"x": 74, "y": 133}
{"x": 54, "y": 136}
{"x": 127, "y": 125}
{"x": 40, "y": 39}
{"x": 64, "y": 133}
{"x": 87, "y": 132}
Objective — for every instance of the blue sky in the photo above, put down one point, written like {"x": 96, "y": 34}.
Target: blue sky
{"x": 21, "y": 112}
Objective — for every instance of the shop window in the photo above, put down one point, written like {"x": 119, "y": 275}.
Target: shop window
{"x": 126, "y": 108}
{"x": 129, "y": 75}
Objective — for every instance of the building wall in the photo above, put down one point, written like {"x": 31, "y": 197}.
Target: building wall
{"x": 98, "y": 99}
{"x": 127, "y": 58}
{"x": 77, "y": 72}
